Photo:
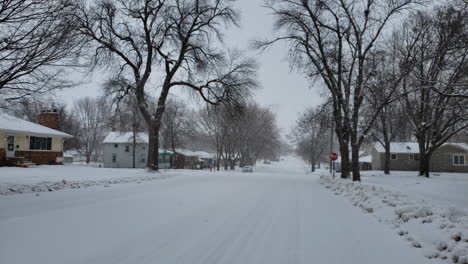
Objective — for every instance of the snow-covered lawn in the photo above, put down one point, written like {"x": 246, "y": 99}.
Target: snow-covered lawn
{"x": 429, "y": 213}
{"x": 444, "y": 189}
{"x": 51, "y": 178}
{"x": 277, "y": 214}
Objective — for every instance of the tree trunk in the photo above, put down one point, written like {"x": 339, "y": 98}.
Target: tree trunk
{"x": 355, "y": 163}
{"x": 134, "y": 147}
{"x": 153, "y": 148}
{"x": 424, "y": 164}
{"x": 312, "y": 166}
{"x": 387, "y": 158}
{"x": 344, "y": 151}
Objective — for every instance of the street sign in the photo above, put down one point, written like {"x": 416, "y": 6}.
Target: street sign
{"x": 333, "y": 156}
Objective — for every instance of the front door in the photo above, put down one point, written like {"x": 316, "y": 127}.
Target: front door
{"x": 10, "y": 147}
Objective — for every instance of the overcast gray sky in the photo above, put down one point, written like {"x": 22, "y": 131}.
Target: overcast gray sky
{"x": 285, "y": 92}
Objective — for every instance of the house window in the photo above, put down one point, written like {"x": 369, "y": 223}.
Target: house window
{"x": 393, "y": 156}
{"x": 114, "y": 157}
{"x": 143, "y": 160}
{"x": 413, "y": 156}
{"x": 40, "y": 143}
{"x": 116, "y": 145}
{"x": 458, "y": 159}
{"x": 127, "y": 148}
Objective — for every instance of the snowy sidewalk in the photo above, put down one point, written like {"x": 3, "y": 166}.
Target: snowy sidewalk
{"x": 223, "y": 218}
{"x": 430, "y": 222}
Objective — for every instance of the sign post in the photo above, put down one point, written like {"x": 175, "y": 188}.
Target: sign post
{"x": 333, "y": 157}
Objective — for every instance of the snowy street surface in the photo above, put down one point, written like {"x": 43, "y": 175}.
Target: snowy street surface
{"x": 278, "y": 214}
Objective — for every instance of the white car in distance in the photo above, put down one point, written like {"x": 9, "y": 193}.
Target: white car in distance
{"x": 247, "y": 169}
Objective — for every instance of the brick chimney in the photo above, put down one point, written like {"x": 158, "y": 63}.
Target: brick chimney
{"x": 49, "y": 118}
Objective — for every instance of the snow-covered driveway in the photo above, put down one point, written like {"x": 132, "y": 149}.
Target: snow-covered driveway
{"x": 276, "y": 216}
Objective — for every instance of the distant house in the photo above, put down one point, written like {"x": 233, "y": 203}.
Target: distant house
{"x": 185, "y": 159}
{"x": 22, "y": 141}
{"x": 118, "y": 151}
{"x": 450, "y": 157}
{"x": 205, "y": 159}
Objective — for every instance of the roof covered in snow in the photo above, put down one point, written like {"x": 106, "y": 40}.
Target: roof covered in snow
{"x": 204, "y": 155}
{"x": 200, "y": 154}
{"x": 463, "y": 146}
{"x": 125, "y": 137}
{"x": 399, "y": 147}
{"x": 411, "y": 147}
{"x": 186, "y": 152}
{"x": 365, "y": 159}
{"x": 11, "y": 124}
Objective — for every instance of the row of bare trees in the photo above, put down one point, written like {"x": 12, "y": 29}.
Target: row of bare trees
{"x": 240, "y": 135}
{"x": 421, "y": 67}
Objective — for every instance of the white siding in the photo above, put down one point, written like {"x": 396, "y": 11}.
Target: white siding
{"x": 125, "y": 159}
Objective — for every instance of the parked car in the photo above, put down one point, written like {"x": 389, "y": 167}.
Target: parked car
{"x": 247, "y": 169}
{"x": 266, "y": 162}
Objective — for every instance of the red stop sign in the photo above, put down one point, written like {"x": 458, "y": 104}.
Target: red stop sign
{"x": 333, "y": 156}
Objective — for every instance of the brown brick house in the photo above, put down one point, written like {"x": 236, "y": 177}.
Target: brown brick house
{"x": 24, "y": 141}
{"x": 450, "y": 157}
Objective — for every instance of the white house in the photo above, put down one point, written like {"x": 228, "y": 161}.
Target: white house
{"x": 118, "y": 151}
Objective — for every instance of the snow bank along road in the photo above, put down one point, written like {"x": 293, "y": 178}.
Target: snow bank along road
{"x": 275, "y": 216}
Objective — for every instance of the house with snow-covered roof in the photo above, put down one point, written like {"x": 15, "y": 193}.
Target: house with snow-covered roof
{"x": 450, "y": 157}
{"x": 26, "y": 142}
{"x": 130, "y": 150}
{"x": 124, "y": 149}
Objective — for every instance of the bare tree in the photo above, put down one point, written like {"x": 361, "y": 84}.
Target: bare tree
{"x": 92, "y": 115}
{"x": 387, "y": 75}
{"x": 176, "y": 126}
{"x": 311, "y": 134}
{"x": 179, "y": 40}
{"x": 211, "y": 124}
{"x": 256, "y": 135}
{"x": 441, "y": 57}
{"x": 38, "y": 39}
{"x": 333, "y": 41}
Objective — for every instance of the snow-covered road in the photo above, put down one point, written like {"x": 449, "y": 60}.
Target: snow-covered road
{"x": 279, "y": 216}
